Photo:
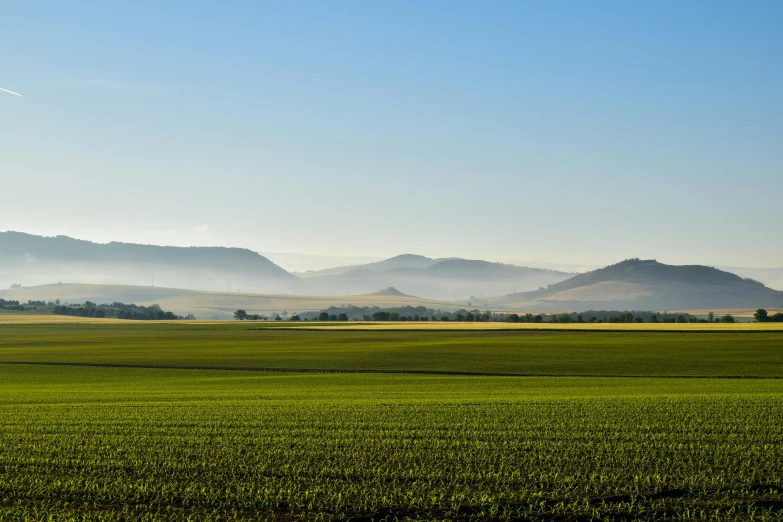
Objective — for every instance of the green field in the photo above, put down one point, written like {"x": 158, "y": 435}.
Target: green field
{"x": 593, "y": 425}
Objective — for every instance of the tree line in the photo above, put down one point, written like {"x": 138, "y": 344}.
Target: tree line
{"x": 11, "y": 305}
{"x": 118, "y": 310}
{"x": 420, "y": 313}
{"x": 762, "y": 316}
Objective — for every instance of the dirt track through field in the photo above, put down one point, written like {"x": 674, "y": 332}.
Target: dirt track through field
{"x": 381, "y": 371}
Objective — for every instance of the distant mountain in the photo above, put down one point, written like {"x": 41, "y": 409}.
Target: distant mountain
{"x": 401, "y": 261}
{"x": 447, "y": 279}
{"x": 388, "y": 292}
{"x": 647, "y": 284}
{"x": 771, "y": 277}
{"x": 28, "y": 259}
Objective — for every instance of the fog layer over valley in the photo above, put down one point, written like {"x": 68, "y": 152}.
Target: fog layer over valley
{"x": 34, "y": 260}
{"x": 451, "y": 279}
{"x": 215, "y": 281}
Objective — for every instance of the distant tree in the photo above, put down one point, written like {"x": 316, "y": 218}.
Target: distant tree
{"x": 294, "y": 318}
{"x": 761, "y": 315}
{"x": 654, "y": 318}
{"x": 240, "y": 315}
{"x": 728, "y": 318}
{"x": 342, "y": 317}
{"x": 278, "y": 318}
{"x": 777, "y": 317}
{"x": 284, "y": 313}
{"x": 323, "y": 316}
{"x": 190, "y": 317}
{"x": 512, "y": 318}
{"x": 710, "y": 317}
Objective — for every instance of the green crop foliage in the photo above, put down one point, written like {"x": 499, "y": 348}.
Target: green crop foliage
{"x": 716, "y": 354}
{"x": 122, "y": 444}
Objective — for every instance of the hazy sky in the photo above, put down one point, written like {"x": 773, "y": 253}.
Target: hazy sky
{"x": 571, "y": 132}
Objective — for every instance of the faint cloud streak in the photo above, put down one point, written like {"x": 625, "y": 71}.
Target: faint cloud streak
{"x": 10, "y": 92}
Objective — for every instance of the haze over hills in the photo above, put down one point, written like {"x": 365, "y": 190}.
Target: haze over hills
{"x": 215, "y": 305}
{"x": 32, "y": 260}
{"x": 771, "y": 277}
{"x": 647, "y": 285}
{"x": 446, "y": 279}
{"x": 400, "y": 261}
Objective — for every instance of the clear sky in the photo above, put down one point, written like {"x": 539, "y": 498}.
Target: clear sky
{"x": 568, "y": 132}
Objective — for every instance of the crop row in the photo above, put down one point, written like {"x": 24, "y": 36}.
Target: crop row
{"x": 611, "y": 459}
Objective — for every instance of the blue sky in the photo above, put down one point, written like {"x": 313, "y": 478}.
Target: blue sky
{"x": 569, "y": 132}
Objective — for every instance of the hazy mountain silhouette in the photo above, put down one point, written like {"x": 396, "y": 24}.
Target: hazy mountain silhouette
{"x": 771, "y": 277}
{"x": 28, "y": 259}
{"x": 401, "y": 261}
{"x": 447, "y": 279}
{"x": 389, "y": 291}
{"x": 648, "y": 284}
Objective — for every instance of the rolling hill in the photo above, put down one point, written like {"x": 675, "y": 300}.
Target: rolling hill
{"x": 771, "y": 277}
{"x": 30, "y": 260}
{"x": 650, "y": 285}
{"x": 393, "y": 263}
{"x": 36, "y": 260}
{"x": 214, "y": 305}
{"x": 445, "y": 279}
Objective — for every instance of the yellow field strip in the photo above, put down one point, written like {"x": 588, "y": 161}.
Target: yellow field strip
{"x": 696, "y": 327}
{"x": 56, "y": 319}
{"x": 409, "y": 325}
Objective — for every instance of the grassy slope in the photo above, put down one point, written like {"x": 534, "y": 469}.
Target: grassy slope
{"x": 756, "y": 354}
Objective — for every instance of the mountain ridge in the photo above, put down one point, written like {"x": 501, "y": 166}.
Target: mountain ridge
{"x": 30, "y": 259}
{"x": 648, "y": 284}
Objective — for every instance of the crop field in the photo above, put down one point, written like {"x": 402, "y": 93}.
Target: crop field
{"x": 180, "y": 422}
